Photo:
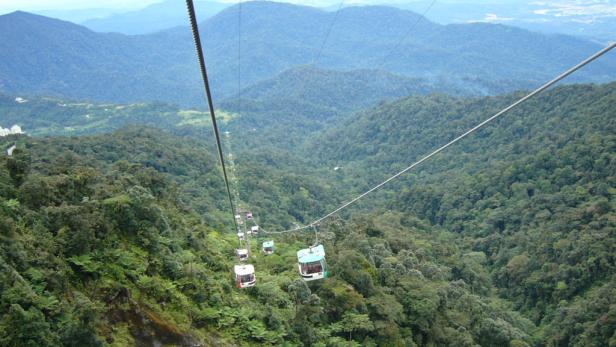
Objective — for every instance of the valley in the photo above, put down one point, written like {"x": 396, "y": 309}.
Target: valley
{"x": 504, "y": 205}
{"x": 115, "y": 228}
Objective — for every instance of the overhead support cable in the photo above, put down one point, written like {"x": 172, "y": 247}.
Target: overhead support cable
{"x": 239, "y": 58}
{"x": 450, "y": 143}
{"x": 406, "y": 35}
{"x": 328, "y": 33}
{"x": 208, "y": 94}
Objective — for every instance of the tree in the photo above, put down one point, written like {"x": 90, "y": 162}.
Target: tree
{"x": 26, "y": 328}
{"x": 299, "y": 292}
{"x": 352, "y": 322}
{"x": 18, "y": 165}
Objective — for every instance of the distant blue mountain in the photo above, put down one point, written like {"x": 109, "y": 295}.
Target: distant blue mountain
{"x": 46, "y": 56}
{"x": 79, "y": 15}
{"x": 590, "y": 19}
{"x": 156, "y": 17}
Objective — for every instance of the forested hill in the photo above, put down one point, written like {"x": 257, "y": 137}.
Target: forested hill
{"x": 295, "y": 105}
{"x": 100, "y": 246}
{"x": 43, "y": 116}
{"x": 342, "y": 90}
{"x": 155, "y": 17}
{"x": 399, "y": 132}
{"x": 506, "y": 239}
{"x": 287, "y": 109}
{"x": 353, "y": 90}
{"x": 534, "y": 192}
{"x": 46, "y": 56}
{"x": 51, "y": 57}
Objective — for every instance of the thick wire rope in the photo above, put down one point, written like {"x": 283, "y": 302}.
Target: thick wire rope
{"x": 208, "y": 94}
{"x": 470, "y": 131}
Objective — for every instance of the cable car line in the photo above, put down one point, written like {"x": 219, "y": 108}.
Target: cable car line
{"x": 239, "y": 58}
{"x": 208, "y": 94}
{"x": 406, "y": 35}
{"x": 311, "y": 261}
{"x": 460, "y": 137}
{"x": 329, "y": 31}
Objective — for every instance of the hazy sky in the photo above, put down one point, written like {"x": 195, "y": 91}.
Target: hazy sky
{"x": 561, "y": 7}
{"x": 8, "y": 5}
{"x": 32, "y": 5}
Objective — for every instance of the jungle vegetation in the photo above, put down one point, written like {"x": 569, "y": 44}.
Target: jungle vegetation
{"x": 123, "y": 238}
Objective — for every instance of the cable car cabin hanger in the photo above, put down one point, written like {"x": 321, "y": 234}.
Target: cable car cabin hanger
{"x": 245, "y": 276}
{"x": 311, "y": 263}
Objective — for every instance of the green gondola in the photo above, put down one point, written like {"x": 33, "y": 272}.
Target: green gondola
{"x": 268, "y": 247}
{"x": 311, "y": 263}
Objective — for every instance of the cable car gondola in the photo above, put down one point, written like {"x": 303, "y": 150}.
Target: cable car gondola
{"x": 254, "y": 230}
{"x": 242, "y": 254}
{"x": 240, "y": 235}
{"x": 268, "y": 247}
{"x": 311, "y": 263}
{"x": 245, "y": 276}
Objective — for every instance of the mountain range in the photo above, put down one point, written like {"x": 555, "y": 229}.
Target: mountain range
{"x": 52, "y": 57}
{"x": 595, "y": 20}
{"x": 153, "y": 18}
{"x": 116, "y": 230}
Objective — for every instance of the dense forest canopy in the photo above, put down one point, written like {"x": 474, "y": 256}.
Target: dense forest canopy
{"x": 98, "y": 249}
{"x": 123, "y": 237}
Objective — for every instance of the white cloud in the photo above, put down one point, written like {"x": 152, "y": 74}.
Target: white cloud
{"x": 576, "y": 8}
{"x": 15, "y": 129}
{"x": 492, "y": 17}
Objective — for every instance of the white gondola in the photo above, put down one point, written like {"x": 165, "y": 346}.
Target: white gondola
{"x": 240, "y": 235}
{"x": 245, "y": 276}
{"x": 311, "y": 263}
{"x": 268, "y": 247}
{"x": 242, "y": 254}
{"x": 239, "y": 219}
{"x": 254, "y": 230}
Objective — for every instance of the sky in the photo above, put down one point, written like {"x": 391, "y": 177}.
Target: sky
{"x": 38, "y": 5}
{"x": 35, "y": 5}
{"x": 550, "y": 7}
